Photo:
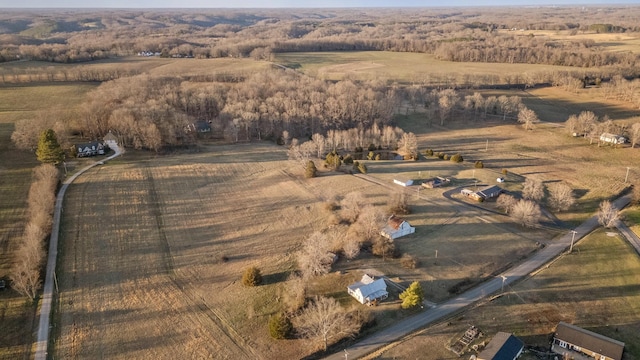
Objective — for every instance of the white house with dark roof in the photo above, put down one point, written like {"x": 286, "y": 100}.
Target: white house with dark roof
{"x": 89, "y": 149}
{"x": 571, "y": 340}
{"x": 368, "y": 290}
{"x": 503, "y": 346}
{"x": 397, "y": 227}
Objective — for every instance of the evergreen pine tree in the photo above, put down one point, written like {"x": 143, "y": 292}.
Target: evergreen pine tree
{"x": 49, "y": 151}
{"x": 413, "y": 296}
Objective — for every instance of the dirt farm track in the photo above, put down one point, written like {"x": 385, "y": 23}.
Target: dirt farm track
{"x": 141, "y": 270}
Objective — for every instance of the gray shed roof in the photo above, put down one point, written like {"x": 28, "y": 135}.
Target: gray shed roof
{"x": 589, "y": 340}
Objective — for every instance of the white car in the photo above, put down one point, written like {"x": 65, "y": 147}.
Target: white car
{"x": 500, "y": 179}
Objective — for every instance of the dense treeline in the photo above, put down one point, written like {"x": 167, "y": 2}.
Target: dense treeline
{"x": 30, "y": 254}
{"x": 477, "y": 34}
{"x": 153, "y": 112}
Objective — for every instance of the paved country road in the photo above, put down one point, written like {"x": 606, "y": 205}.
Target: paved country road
{"x": 47, "y": 297}
{"x": 440, "y": 311}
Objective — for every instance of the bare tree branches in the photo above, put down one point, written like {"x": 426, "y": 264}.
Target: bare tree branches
{"x": 527, "y": 118}
{"x": 30, "y": 255}
{"x": 315, "y": 257}
{"x": 533, "y": 189}
{"x": 506, "y": 202}
{"x": 324, "y": 322}
{"x": 526, "y": 213}
{"x": 561, "y": 197}
{"x": 608, "y": 214}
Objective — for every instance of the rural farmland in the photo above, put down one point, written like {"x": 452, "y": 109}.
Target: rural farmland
{"x": 264, "y": 152}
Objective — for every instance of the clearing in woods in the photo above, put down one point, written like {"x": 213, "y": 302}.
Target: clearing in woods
{"x": 402, "y": 67}
{"x": 153, "y": 252}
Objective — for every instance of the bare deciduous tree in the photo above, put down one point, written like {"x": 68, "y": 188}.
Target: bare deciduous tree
{"x": 371, "y": 220}
{"x": 446, "y": 102}
{"x": 533, "y": 189}
{"x": 315, "y": 258}
{"x": 351, "y": 206}
{"x": 319, "y": 142}
{"x": 526, "y": 213}
{"x": 324, "y": 321}
{"x": 383, "y": 246}
{"x": 351, "y": 247}
{"x": 608, "y": 214}
{"x": 527, "y": 118}
{"x": 25, "y": 272}
{"x": 561, "y": 196}
{"x": 506, "y": 202}
{"x": 409, "y": 144}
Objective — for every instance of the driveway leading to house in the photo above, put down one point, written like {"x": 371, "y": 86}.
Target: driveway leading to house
{"x": 42, "y": 341}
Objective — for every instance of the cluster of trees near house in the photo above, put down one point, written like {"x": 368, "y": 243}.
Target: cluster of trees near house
{"x": 354, "y": 225}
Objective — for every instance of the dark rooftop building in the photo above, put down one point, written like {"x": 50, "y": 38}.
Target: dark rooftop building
{"x": 503, "y": 346}
{"x": 570, "y": 339}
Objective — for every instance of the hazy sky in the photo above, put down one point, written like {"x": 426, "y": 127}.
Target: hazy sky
{"x": 285, "y": 3}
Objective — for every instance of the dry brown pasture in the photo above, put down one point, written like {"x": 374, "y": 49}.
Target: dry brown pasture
{"x": 142, "y": 270}
{"x": 616, "y": 42}
{"x": 18, "y": 103}
{"x": 401, "y": 67}
{"x": 595, "y": 287}
{"x": 547, "y": 152}
{"x": 30, "y": 71}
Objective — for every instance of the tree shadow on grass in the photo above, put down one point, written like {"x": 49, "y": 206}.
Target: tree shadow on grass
{"x": 275, "y": 278}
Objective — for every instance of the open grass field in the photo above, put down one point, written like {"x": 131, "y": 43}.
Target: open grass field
{"x": 401, "y": 67}
{"x": 615, "y": 42}
{"x": 143, "y": 245}
{"x": 18, "y": 103}
{"x": 595, "y": 287}
{"x": 29, "y": 71}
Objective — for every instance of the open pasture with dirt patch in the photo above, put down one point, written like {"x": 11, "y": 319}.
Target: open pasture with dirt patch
{"x": 153, "y": 251}
{"x": 399, "y": 66}
{"x": 595, "y": 287}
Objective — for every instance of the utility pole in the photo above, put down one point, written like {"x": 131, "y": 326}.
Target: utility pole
{"x": 573, "y": 237}
{"x": 626, "y": 176}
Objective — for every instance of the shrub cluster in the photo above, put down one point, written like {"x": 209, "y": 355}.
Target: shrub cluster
{"x": 456, "y": 158}
{"x": 280, "y": 326}
{"x": 479, "y": 164}
{"x": 252, "y": 277}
